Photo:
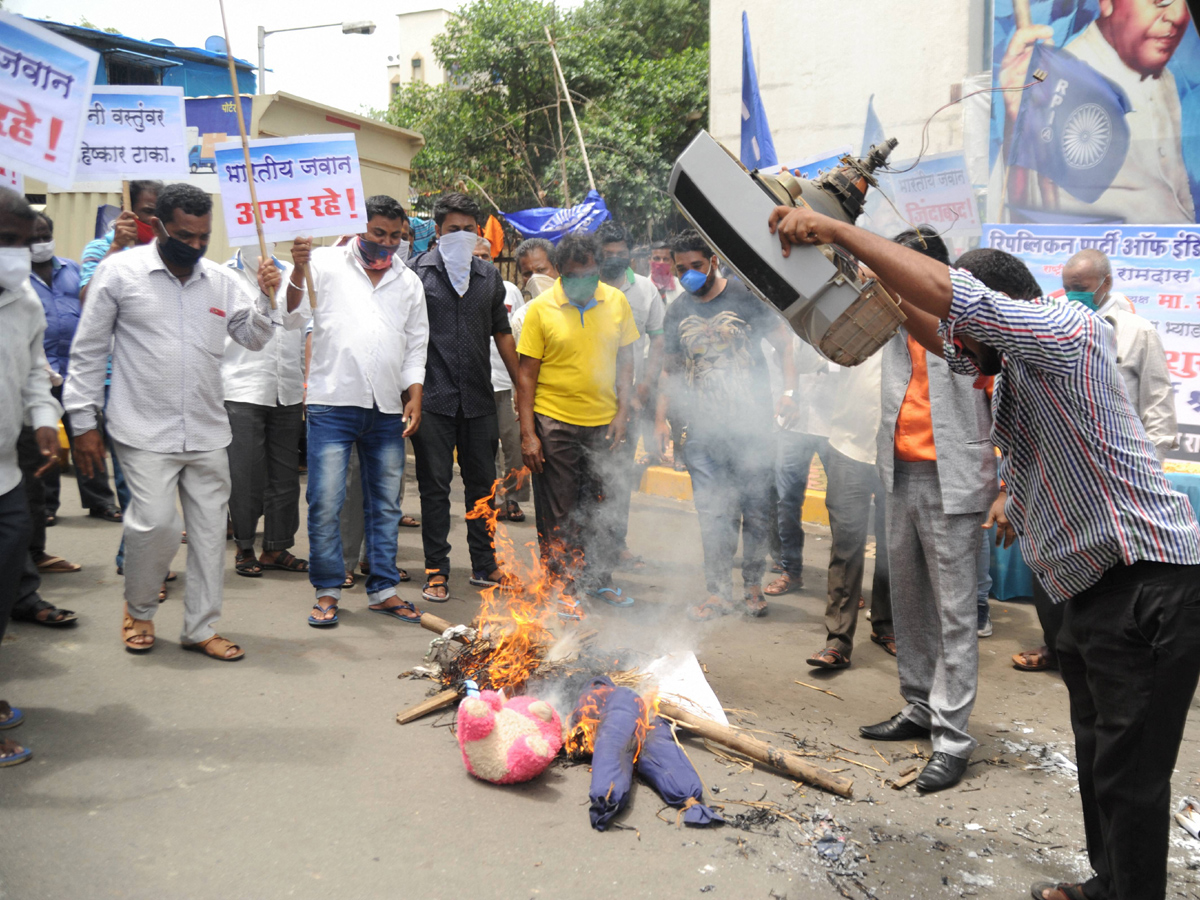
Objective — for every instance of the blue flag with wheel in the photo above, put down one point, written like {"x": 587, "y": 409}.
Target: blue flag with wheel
{"x": 1071, "y": 128}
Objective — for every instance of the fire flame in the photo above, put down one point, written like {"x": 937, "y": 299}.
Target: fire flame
{"x": 521, "y": 609}
{"x": 581, "y": 739}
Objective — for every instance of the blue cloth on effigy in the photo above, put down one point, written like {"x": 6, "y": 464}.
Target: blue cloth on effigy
{"x": 665, "y": 767}
{"x": 619, "y": 711}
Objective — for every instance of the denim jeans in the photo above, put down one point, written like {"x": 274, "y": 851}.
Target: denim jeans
{"x": 332, "y": 431}
{"x": 730, "y": 484}
{"x": 791, "y": 482}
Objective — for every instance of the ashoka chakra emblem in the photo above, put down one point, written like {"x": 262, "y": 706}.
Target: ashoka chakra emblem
{"x": 1086, "y": 136}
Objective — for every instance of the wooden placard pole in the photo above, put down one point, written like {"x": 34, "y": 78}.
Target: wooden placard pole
{"x": 571, "y": 106}
{"x": 237, "y": 101}
{"x": 760, "y": 751}
{"x": 126, "y": 203}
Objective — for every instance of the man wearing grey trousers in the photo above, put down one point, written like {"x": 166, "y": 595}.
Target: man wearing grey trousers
{"x": 165, "y": 311}
{"x": 936, "y": 461}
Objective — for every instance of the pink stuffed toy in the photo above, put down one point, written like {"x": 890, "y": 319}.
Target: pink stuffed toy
{"x": 506, "y": 742}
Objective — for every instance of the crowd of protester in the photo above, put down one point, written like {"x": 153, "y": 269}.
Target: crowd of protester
{"x": 207, "y": 396}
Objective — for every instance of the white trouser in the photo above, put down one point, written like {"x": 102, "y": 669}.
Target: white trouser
{"x": 152, "y": 529}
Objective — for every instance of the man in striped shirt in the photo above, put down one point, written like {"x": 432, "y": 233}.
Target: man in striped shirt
{"x": 1099, "y": 524}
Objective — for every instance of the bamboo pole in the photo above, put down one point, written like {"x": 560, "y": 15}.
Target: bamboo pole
{"x": 571, "y": 106}
{"x": 562, "y": 145}
{"x": 760, "y": 751}
{"x": 428, "y": 705}
{"x": 438, "y": 625}
{"x": 126, "y": 203}
{"x": 237, "y": 102}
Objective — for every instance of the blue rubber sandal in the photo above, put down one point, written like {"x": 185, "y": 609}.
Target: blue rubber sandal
{"x": 618, "y": 598}
{"x": 17, "y": 718}
{"x": 321, "y": 623}
{"x": 18, "y": 758}
{"x": 394, "y": 612}
{"x": 568, "y": 610}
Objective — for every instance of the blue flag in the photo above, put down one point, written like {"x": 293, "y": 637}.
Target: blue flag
{"x": 552, "y": 222}
{"x": 873, "y": 130}
{"x": 1071, "y": 127}
{"x": 758, "y": 150}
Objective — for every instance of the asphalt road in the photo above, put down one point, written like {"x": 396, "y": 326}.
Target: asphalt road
{"x": 285, "y": 775}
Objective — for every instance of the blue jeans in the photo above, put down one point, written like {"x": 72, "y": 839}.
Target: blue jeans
{"x": 332, "y": 431}
{"x": 791, "y": 482}
{"x": 730, "y": 486}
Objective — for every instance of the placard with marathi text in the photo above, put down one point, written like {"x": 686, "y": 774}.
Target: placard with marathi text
{"x": 45, "y": 81}
{"x": 308, "y": 186}
{"x": 133, "y": 131}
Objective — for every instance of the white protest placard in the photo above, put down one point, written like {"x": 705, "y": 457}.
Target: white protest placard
{"x": 45, "y": 81}
{"x": 14, "y": 181}
{"x": 308, "y": 186}
{"x": 133, "y": 131}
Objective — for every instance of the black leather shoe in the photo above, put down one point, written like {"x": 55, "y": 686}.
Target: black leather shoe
{"x": 897, "y": 728}
{"x": 942, "y": 771}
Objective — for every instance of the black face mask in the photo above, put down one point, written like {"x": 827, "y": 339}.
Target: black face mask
{"x": 180, "y": 254}
{"x": 614, "y": 267}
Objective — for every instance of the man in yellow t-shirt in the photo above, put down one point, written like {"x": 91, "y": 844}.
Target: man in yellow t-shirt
{"x": 573, "y": 395}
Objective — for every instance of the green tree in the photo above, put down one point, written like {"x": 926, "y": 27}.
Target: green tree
{"x": 637, "y": 71}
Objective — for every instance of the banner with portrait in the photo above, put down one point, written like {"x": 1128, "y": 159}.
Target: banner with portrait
{"x": 1100, "y": 117}
{"x": 1157, "y": 267}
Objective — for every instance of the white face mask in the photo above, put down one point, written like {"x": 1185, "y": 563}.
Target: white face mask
{"x": 14, "y": 267}
{"x": 457, "y": 248}
{"x": 43, "y": 251}
{"x": 250, "y": 257}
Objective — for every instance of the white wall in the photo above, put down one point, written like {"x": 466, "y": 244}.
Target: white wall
{"x": 819, "y": 61}
{"x": 417, "y": 31}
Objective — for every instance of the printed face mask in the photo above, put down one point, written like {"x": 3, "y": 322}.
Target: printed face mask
{"x": 372, "y": 255}
{"x": 14, "y": 267}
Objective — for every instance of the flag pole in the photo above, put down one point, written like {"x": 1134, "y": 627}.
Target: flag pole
{"x": 237, "y": 101}
{"x": 571, "y": 106}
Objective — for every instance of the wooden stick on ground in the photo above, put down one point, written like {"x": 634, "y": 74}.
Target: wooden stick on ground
{"x": 430, "y": 622}
{"x": 760, "y": 751}
{"x": 428, "y": 705}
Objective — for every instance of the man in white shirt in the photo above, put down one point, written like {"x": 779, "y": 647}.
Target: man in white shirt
{"x": 24, "y": 393}
{"x": 165, "y": 311}
{"x": 1130, "y": 44}
{"x": 370, "y": 331}
{"x": 1087, "y": 279}
{"x": 806, "y": 437}
{"x": 648, "y": 315}
{"x": 513, "y": 488}
{"x": 264, "y": 393}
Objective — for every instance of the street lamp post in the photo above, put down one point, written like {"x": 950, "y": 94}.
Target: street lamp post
{"x": 347, "y": 28}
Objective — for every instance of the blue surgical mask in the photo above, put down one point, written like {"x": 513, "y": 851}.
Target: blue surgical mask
{"x": 1087, "y": 298}
{"x": 694, "y": 281}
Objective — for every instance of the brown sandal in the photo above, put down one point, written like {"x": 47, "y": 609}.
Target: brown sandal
{"x": 784, "y": 584}
{"x": 216, "y": 647}
{"x": 887, "y": 642}
{"x": 828, "y": 658}
{"x": 755, "y": 606}
{"x": 132, "y": 629}
{"x": 1034, "y": 660}
{"x": 712, "y": 608}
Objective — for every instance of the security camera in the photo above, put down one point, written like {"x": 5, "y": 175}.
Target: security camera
{"x": 358, "y": 28}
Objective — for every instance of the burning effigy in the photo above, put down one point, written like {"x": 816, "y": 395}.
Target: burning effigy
{"x": 531, "y": 682}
